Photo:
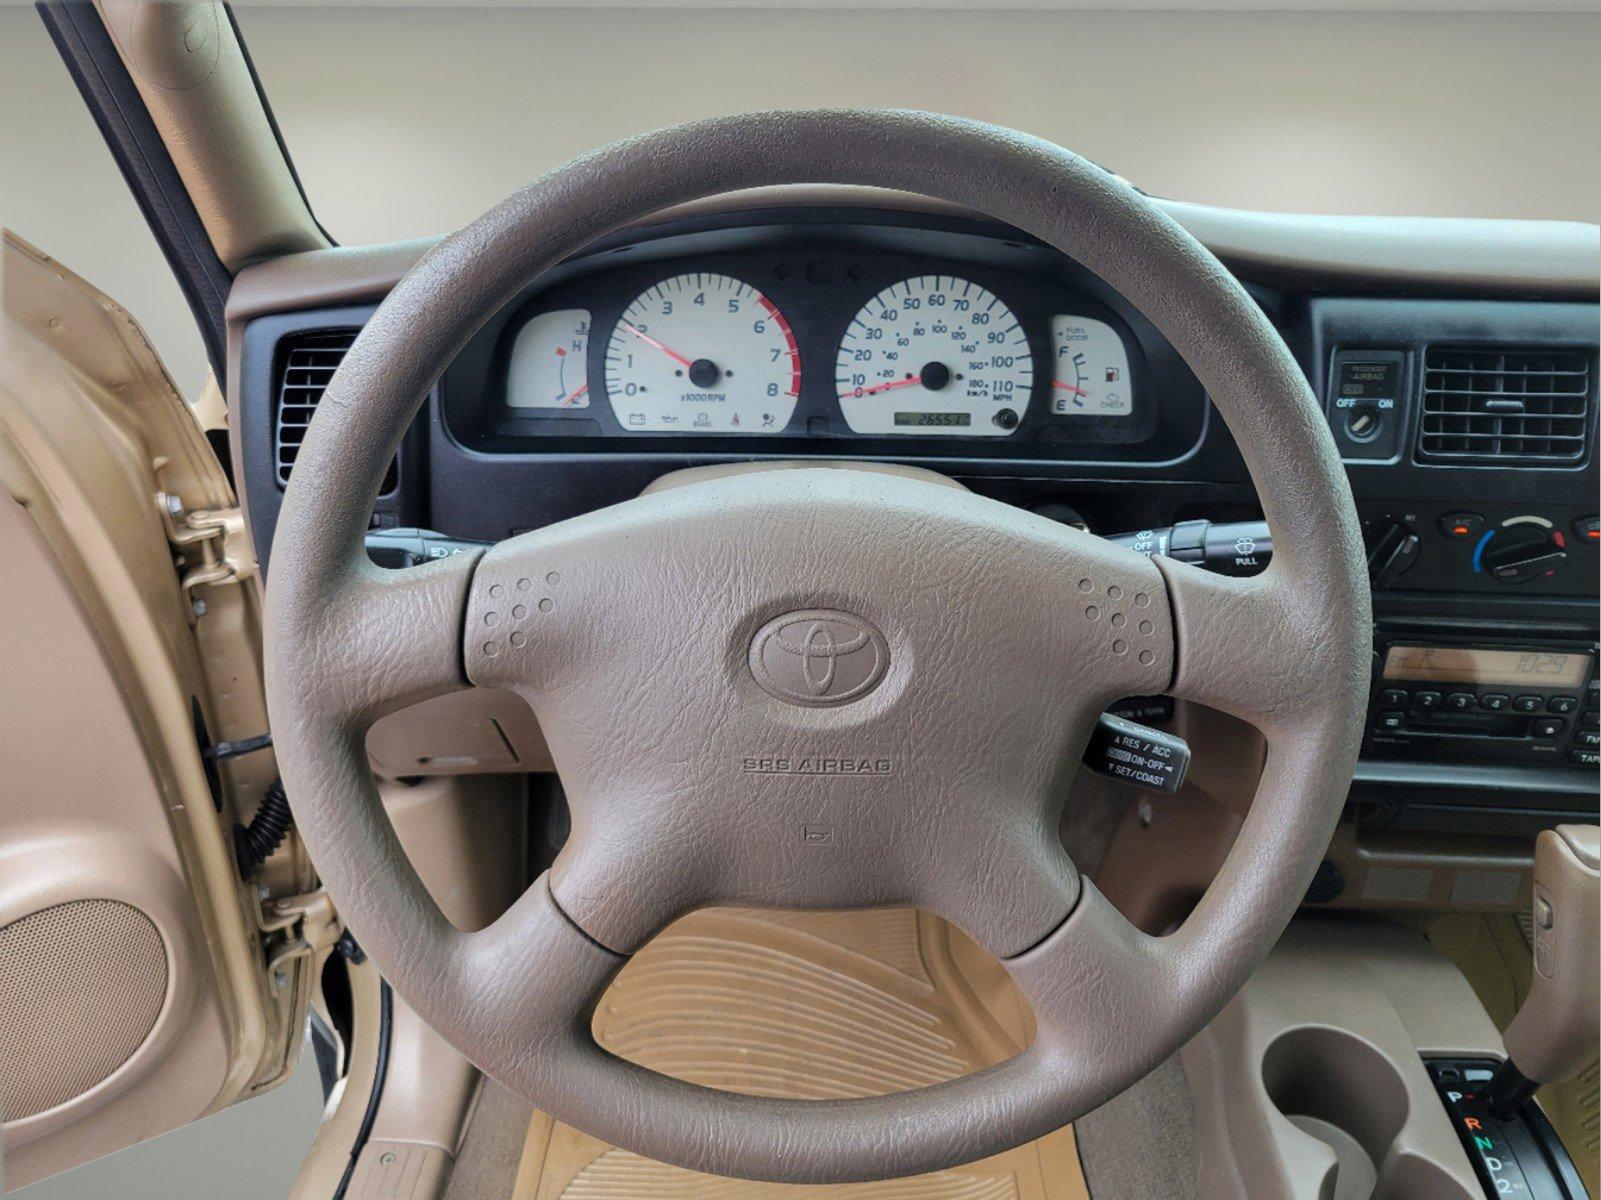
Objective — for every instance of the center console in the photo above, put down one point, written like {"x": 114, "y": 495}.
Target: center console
{"x": 1353, "y": 1066}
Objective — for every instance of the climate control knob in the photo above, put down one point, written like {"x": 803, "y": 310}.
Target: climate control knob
{"x": 1521, "y": 549}
{"x": 1392, "y": 549}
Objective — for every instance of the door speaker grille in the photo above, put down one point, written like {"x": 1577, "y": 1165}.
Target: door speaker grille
{"x": 81, "y": 986}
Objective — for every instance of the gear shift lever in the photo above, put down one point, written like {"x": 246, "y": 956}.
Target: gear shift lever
{"x": 1554, "y": 1033}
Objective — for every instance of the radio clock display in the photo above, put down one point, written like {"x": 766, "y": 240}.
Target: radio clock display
{"x": 1459, "y": 664}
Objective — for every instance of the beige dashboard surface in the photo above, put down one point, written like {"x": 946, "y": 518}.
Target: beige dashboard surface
{"x": 808, "y": 1006}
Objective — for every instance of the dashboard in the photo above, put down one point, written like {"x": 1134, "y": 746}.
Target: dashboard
{"x": 1465, "y": 414}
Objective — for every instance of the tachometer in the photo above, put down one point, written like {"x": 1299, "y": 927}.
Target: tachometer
{"x": 934, "y": 355}
{"x": 702, "y": 352}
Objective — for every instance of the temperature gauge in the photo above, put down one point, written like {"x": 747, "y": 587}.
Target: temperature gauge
{"x": 1089, "y": 376}
{"x": 549, "y": 362}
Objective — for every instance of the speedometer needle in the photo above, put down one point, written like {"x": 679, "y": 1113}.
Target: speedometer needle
{"x": 884, "y": 387}
{"x": 1068, "y": 387}
{"x": 650, "y": 341}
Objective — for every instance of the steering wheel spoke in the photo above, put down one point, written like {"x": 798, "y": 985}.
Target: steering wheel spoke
{"x": 377, "y": 640}
{"x": 1094, "y": 982}
{"x": 538, "y": 972}
{"x": 1247, "y": 646}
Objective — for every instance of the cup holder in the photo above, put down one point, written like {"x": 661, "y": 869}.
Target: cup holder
{"x": 1339, "y": 1089}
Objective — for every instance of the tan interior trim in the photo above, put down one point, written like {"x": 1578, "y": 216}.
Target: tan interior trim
{"x": 1550, "y": 259}
{"x": 111, "y": 471}
{"x": 1554, "y": 1034}
{"x": 192, "y": 75}
{"x": 1417, "y": 255}
{"x": 325, "y": 1163}
{"x": 1315, "y": 1069}
{"x": 466, "y": 837}
{"x": 1431, "y": 872}
{"x": 1556, "y": 260}
{"x": 482, "y": 731}
{"x": 689, "y": 475}
{"x": 1494, "y": 952}
{"x": 82, "y": 830}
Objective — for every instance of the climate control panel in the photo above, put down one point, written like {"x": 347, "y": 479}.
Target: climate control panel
{"x": 1486, "y": 548}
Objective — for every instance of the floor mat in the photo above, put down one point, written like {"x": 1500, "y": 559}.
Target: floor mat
{"x": 808, "y": 1006}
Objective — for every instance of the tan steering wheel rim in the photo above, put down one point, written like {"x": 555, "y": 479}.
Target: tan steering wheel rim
{"x": 999, "y": 623}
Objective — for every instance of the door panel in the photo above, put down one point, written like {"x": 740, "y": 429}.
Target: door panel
{"x": 135, "y": 986}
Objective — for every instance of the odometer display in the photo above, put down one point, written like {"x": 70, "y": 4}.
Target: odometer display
{"x": 932, "y": 354}
{"x": 702, "y": 353}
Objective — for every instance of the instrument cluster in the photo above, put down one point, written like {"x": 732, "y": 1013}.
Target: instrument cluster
{"x": 899, "y": 341}
{"x": 705, "y": 352}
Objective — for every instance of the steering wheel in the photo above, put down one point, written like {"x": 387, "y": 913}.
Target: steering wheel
{"x": 818, "y": 689}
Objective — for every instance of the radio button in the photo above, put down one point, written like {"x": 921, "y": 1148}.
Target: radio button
{"x": 1461, "y": 701}
{"x": 1562, "y": 704}
{"x": 1426, "y": 701}
{"x": 1585, "y": 758}
{"x": 1387, "y": 722}
{"x": 1546, "y": 728}
{"x": 1590, "y": 720}
{"x": 1494, "y": 701}
{"x": 1528, "y": 704}
{"x": 1393, "y": 698}
{"x": 1588, "y": 738}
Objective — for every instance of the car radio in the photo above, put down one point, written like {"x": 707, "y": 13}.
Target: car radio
{"x": 1532, "y": 702}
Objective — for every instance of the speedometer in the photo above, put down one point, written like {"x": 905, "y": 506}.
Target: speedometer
{"x": 934, "y": 355}
{"x": 702, "y": 352}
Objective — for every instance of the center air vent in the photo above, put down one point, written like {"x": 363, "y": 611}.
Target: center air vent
{"x": 306, "y": 362}
{"x": 1505, "y": 405}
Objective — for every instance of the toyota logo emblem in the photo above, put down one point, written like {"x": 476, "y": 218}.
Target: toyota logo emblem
{"x": 818, "y": 657}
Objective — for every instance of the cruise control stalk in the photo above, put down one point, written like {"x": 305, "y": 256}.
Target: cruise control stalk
{"x": 1132, "y": 753}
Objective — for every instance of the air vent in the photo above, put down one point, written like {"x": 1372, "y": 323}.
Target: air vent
{"x": 306, "y": 362}
{"x": 1505, "y": 405}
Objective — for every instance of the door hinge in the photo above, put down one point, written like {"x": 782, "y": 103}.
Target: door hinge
{"x": 217, "y": 535}
{"x": 297, "y": 927}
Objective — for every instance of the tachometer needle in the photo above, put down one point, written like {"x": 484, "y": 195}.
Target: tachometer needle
{"x": 884, "y": 387}
{"x": 572, "y": 397}
{"x": 650, "y": 341}
{"x": 1068, "y": 387}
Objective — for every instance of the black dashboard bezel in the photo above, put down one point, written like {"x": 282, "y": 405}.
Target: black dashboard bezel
{"x": 786, "y": 254}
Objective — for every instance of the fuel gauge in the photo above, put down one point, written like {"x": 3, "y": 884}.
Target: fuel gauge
{"x": 1090, "y": 369}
